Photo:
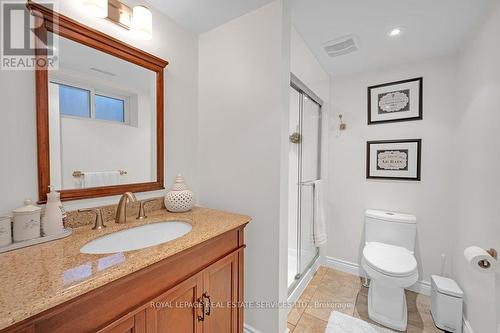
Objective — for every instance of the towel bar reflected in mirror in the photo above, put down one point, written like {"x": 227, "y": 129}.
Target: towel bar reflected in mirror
{"x": 78, "y": 173}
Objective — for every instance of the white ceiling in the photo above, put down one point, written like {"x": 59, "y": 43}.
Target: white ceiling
{"x": 203, "y": 15}
{"x": 430, "y": 28}
{"x": 77, "y": 60}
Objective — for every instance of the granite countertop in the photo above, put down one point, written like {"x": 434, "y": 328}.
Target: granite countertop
{"x": 40, "y": 277}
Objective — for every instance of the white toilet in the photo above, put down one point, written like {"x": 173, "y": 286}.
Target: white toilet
{"x": 389, "y": 262}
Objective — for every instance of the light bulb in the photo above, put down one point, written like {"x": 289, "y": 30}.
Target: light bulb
{"x": 96, "y": 8}
{"x": 142, "y": 23}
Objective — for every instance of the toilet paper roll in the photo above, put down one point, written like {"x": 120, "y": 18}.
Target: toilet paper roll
{"x": 479, "y": 259}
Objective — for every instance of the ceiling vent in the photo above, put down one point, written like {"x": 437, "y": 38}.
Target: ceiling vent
{"x": 341, "y": 46}
{"x": 102, "y": 71}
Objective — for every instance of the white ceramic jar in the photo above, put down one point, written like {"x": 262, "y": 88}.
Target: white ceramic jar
{"x": 180, "y": 198}
{"x": 26, "y": 222}
{"x": 5, "y": 230}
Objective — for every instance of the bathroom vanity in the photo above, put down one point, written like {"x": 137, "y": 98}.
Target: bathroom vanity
{"x": 100, "y": 115}
{"x": 191, "y": 284}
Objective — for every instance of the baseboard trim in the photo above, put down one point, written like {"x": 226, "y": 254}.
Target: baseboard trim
{"x": 344, "y": 266}
{"x": 249, "y": 329}
{"x": 467, "y": 328}
{"x": 421, "y": 287}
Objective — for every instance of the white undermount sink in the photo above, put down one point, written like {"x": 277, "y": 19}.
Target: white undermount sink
{"x": 137, "y": 238}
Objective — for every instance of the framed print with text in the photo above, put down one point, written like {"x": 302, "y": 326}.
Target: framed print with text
{"x": 395, "y": 101}
{"x": 394, "y": 159}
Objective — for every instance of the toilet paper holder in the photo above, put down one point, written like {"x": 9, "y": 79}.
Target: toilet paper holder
{"x": 485, "y": 263}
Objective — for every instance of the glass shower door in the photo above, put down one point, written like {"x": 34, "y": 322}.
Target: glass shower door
{"x": 293, "y": 187}
{"x": 304, "y": 164}
{"x": 309, "y": 172}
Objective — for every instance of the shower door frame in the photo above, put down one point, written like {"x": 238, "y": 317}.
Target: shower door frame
{"x": 304, "y": 91}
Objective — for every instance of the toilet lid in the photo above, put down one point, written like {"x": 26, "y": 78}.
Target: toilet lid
{"x": 390, "y": 259}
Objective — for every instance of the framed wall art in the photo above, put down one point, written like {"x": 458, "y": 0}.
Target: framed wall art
{"x": 394, "y": 159}
{"x": 395, "y": 101}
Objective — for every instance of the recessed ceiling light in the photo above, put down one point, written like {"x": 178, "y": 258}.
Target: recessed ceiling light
{"x": 395, "y": 32}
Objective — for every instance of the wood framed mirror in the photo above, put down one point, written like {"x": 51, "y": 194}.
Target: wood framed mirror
{"x": 99, "y": 114}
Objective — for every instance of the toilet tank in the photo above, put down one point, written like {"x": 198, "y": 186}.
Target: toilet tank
{"x": 391, "y": 228}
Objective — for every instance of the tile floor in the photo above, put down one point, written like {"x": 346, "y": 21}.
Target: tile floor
{"x": 334, "y": 290}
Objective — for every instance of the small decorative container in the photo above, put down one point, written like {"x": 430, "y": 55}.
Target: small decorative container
{"x": 52, "y": 219}
{"x": 26, "y": 222}
{"x": 5, "y": 231}
{"x": 180, "y": 198}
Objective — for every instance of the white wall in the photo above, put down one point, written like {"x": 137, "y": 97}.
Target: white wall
{"x": 350, "y": 193}
{"x": 306, "y": 67}
{"x": 18, "y": 170}
{"x": 242, "y": 126}
{"x": 477, "y": 169}
{"x": 113, "y": 146}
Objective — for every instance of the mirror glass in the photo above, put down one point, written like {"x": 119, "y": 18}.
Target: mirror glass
{"x": 102, "y": 120}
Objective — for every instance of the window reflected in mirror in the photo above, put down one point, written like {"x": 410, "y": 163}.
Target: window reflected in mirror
{"x": 102, "y": 120}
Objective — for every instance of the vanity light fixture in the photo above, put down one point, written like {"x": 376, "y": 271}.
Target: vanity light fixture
{"x": 119, "y": 13}
{"x": 96, "y": 8}
{"x": 138, "y": 20}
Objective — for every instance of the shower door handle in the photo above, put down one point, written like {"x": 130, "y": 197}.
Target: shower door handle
{"x": 312, "y": 183}
{"x": 295, "y": 138}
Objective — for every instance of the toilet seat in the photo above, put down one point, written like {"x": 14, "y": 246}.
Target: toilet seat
{"x": 390, "y": 260}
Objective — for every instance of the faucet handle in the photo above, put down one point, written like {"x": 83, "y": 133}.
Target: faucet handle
{"x": 99, "y": 222}
{"x": 142, "y": 212}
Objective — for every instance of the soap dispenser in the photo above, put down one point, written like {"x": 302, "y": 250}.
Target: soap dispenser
{"x": 52, "y": 220}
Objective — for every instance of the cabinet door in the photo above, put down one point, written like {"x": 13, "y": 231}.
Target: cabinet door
{"x": 131, "y": 324}
{"x": 177, "y": 310}
{"x": 220, "y": 282}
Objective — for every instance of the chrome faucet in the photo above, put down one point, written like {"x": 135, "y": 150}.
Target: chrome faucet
{"x": 121, "y": 210}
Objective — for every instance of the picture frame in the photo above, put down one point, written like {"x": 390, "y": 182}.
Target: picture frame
{"x": 394, "y": 159}
{"x": 396, "y": 101}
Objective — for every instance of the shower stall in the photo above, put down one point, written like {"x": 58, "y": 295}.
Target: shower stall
{"x": 304, "y": 170}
